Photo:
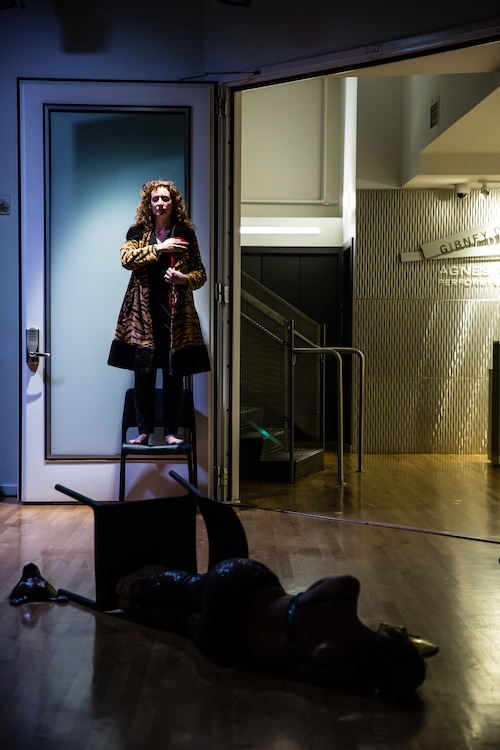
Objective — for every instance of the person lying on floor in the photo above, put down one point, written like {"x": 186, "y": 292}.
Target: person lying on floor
{"x": 239, "y": 615}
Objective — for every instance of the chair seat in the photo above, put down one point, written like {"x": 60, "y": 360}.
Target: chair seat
{"x": 161, "y": 450}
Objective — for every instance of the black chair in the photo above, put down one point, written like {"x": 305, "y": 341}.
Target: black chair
{"x": 185, "y": 450}
{"x": 129, "y": 536}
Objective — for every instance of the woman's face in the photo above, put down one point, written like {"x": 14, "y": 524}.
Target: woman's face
{"x": 161, "y": 203}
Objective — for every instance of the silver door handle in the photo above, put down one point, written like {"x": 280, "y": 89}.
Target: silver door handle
{"x": 32, "y": 343}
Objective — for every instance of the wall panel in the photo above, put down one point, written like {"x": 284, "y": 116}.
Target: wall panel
{"x": 426, "y": 328}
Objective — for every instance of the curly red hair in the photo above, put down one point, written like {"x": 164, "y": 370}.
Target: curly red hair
{"x": 144, "y": 215}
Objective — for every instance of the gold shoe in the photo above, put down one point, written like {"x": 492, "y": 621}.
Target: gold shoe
{"x": 425, "y": 648}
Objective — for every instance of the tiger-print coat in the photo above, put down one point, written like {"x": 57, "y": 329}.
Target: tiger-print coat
{"x": 133, "y": 344}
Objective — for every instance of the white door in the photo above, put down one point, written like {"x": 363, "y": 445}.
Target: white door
{"x": 86, "y": 148}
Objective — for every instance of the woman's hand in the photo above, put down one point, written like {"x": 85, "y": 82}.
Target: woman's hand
{"x": 175, "y": 277}
{"x": 172, "y": 245}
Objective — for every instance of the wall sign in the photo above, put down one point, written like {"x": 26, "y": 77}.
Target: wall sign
{"x": 478, "y": 242}
{"x": 470, "y": 276}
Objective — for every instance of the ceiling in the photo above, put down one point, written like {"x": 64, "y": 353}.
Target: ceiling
{"x": 469, "y": 151}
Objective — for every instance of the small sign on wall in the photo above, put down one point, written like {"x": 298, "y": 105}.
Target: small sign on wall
{"x": 477, "y": 242}
{"x": 4, "y": 205}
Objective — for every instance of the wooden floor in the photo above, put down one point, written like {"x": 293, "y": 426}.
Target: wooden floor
{"x": 422, "y": 533}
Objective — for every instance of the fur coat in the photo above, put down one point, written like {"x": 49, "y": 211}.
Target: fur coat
{"x": 133, "y": 344}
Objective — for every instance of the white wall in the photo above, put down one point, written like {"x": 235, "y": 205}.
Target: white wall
{"x": 458, "y": 94}
{"x": 394, "y": 121}
{"x": 292, "y": 147}
{"x": 350, "y": 117}
{"x": 379, "y": 129}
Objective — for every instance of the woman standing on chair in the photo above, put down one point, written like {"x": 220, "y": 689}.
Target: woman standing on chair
{"x": 158, "y": 326}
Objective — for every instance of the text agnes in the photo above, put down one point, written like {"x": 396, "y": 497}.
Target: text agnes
{"x": 468, "y": 276}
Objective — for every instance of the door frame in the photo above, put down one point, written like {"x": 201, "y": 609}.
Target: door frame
{"x": 345, "y": 62}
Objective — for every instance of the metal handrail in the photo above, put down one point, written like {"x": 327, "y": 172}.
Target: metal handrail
{"x": 313, "y": 348}
{"x": 273, "y": 335}
{"x": 337, "y": 352}
{"x": 295, "y": 312}
{"x": 263, "y": 328}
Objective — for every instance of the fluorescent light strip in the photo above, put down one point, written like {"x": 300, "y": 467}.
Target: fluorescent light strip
{"x": 279, "y": 230}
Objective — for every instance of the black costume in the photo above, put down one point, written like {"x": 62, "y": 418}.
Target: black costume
{"x": 145, "y": 379}
{"x": 212, "y": 609}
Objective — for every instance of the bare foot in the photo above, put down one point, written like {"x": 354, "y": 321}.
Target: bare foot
{"x": 172, "y": 440}
{"x": 142, "y": 439}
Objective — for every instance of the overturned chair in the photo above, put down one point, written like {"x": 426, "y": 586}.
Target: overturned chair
{"x": 129, "y": 536}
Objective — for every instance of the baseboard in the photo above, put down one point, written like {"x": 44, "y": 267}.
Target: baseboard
{"x": 8, "y": 490}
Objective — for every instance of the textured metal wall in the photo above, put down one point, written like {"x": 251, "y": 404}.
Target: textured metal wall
{"x": 426, "y": 328}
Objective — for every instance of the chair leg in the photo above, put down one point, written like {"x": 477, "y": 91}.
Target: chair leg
{"x": 121, "y": 492}
{"x": 192, "y": 470}
{"x": 194, "y": 462}
{"x": 79, "y": 599}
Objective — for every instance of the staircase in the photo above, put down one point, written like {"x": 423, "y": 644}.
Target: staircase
{"x": 264, "y": 456}
{"x": 281, "y": 421}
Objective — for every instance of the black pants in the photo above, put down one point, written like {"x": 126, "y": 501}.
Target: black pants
{"x": 144, "y": 391}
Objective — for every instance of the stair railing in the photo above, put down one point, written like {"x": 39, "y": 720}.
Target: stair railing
{"x": 280, "y": 341}
{"x": 268, "y": 379}
{"x": 285, "y": 336}
{"x": 337, "y": 352}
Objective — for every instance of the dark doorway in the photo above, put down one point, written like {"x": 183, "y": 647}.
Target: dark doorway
{"x": 317, "y": 282}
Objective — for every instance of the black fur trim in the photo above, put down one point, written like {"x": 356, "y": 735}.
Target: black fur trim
{"x": 130, "y": 357}
{"x": 189, "y": 361}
